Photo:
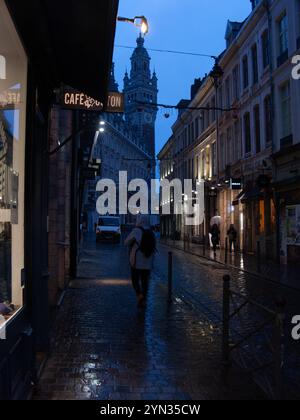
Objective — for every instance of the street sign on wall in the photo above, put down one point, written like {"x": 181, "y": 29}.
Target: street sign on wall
{"x": 72, "y": 99}
{"x": 236, "y": 184}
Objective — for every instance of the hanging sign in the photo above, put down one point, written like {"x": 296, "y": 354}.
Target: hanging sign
{"x": 115, "y": 102}
{"x": 72, "y": 99}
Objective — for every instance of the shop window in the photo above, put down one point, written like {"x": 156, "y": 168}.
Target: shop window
{"x": 12, "y": 163}
{"x": 261, "y": 217}
{"x": 270, "y": 217}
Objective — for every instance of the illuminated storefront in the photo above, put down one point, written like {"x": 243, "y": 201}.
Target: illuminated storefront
{"x": 27, "y": 84}
{"x": 13, "y": 86}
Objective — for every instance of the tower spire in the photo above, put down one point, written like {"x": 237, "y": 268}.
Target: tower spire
{"x": 141, "y": 86}
{"x": 113, "y": 85}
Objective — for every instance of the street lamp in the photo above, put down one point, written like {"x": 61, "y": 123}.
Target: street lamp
{"x": 138, "y": 21}
{"x": 216, "y": 76}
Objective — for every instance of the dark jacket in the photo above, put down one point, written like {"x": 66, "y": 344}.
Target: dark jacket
{"x": 232, "y": 234}
{"x": 215, "y": 234}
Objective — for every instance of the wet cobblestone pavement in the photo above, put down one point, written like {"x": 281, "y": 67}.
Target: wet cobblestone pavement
{"x": 245, "y": 263}
{"x": 104, "y": 348}
{"x": 199, "y": 282}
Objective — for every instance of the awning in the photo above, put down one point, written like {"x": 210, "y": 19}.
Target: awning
{"x": 236, "y": 202}
{"x": 248, "y": 195}
{"x": 252, "y": 194}
{"x": 69, "y": 40}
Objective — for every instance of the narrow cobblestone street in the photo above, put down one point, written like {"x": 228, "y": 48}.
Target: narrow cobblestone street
{"x": 104, "y": 348}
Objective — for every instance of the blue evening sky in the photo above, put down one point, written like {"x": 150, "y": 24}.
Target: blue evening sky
{"x": 190, "y": 25}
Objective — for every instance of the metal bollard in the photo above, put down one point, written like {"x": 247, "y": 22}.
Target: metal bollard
{"x": 226, "y": 319}
{"x": 258, "y": 256}
{"x": 170, "y": 276}
{"x": 279, "y": 349}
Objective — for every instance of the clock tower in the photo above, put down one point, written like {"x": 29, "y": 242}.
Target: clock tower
{"x": 140, "y": 91}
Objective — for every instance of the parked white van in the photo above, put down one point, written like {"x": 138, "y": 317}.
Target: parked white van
{"x": 108, "y": 229}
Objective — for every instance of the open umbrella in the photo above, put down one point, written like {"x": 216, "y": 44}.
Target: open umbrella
{"x": 216, "y": 220}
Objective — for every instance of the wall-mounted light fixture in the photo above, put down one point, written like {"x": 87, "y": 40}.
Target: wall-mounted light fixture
{"x": 138, "y": 21}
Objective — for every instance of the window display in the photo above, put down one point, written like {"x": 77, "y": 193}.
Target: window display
{"x": 13, "y": 80}
{"x": 293, "y": 225}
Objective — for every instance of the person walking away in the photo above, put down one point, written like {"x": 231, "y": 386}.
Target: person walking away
{"x": 215, "y": 237}
{"x": 232, "y": 236}
{"x": 142, "y": 243}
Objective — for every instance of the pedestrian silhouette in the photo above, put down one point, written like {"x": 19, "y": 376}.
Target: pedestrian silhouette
{"x": 232, "y": 236}
{"x": 142, "y": 243}
{"x": 215, "y": 237}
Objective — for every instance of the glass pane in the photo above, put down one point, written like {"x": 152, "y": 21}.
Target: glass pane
{"x": 13, "y": 79}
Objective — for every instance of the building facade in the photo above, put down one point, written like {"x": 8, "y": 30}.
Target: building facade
{"x": 127, "y": 142}
{"x": 247, "y": 151}
{"x": 140, "y": 90}
{"x": 27, "y": 82}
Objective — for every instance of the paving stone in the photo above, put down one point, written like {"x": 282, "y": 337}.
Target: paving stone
{"x": 104, "y": 348}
